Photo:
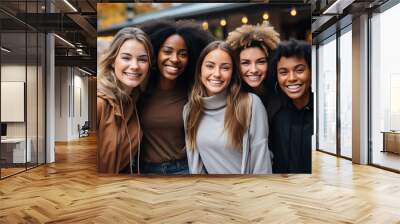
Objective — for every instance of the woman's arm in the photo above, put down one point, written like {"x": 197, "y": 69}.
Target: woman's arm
{"x": 260, "y": 155}
{"x": 106, "y": 138}
{"x": 196, "y": 166}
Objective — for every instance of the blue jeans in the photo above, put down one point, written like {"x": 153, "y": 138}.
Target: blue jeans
{"x": 168, "y": 167}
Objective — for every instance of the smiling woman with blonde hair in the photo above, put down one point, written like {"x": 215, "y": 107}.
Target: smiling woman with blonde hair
{"x": 122, "y": 69}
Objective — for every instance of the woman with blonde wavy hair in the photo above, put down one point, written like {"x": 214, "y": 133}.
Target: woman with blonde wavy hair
{"x": 224, "y": 135}
{"x": 122, "y": 69}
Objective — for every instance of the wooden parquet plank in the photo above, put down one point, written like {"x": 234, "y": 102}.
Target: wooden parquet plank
{"x": 70, "y": 191}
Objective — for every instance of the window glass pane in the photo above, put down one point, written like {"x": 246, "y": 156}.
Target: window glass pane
{"x": 41, "y": 98}
{"x": 327, "y": 96}
{"x": 31, "y": 96}
{"x": 346, "y": 94}
{"x": 385, "y": 84}
{"x": 15, "y": 150}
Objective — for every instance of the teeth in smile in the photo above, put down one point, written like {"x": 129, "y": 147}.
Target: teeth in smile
{"x": 216, "y": 82}
{"x": 172, "y": 68}
{"x": 132, "y": 74}
{"x": 253, "y": 77}
{"x": 293, "y": 86}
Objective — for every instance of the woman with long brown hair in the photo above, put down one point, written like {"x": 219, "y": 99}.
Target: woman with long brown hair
{"x": 226, "y": 129}
{"x": 122, "y": 69}
{"x": 253, "y": 46}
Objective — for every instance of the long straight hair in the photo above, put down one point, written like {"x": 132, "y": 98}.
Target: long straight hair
{"x": 107, "y": 75}
{"x": 236, "y": 114}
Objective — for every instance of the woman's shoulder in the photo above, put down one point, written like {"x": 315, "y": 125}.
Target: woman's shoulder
{"x": 106, "y": 102}
{"x": 186, "y": 110}
{"x": 255, "y": 100}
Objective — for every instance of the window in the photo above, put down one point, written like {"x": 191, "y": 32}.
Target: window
{"x": 385, "y": 87}
{"x": 327, "y": 96}
{"x": 346, "y": 75}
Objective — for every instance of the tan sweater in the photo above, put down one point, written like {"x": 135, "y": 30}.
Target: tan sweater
{"x": 161, "y": 119}
{"x": 113, "y": 143}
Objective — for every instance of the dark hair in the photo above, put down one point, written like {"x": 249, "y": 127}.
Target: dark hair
{"x": 291, "y": 48}
{"x": 195, "y": 39}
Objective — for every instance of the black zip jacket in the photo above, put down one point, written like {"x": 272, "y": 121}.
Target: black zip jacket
{"x": 290, "y": 139}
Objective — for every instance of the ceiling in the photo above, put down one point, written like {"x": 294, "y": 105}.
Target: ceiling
{"x": 21, "y": 21}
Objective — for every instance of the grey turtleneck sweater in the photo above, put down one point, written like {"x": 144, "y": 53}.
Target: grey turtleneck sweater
{"x": 213, "y": 153}
{"x": 217, "y": 154}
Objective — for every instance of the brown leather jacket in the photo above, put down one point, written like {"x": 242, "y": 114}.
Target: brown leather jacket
{"x": 118, "y": 132}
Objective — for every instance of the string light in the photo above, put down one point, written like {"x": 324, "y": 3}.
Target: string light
{"x": 293, "y": 12}
{"x": 245, "y": 20}
{"x": 265, "y": 16}
{"x": 222, "y": 22}
{"x": 205, "y": 25}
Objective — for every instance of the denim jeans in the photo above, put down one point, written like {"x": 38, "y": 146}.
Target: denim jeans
{"x": 165, "y": 168}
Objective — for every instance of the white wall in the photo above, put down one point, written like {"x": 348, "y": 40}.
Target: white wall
{"x": 12, "y": 73}
{"x": 71, "y": 93}
{"x": 33, "y": 126}
{"x": 61, "y": 103}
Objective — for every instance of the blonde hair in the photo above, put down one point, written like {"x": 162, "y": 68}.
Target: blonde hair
{"x": 107, "y": 75}
{"x": 261, "y": 35}
{"x": 236, "y": 114}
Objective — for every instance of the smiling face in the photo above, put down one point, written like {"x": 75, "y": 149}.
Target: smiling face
{"x": 172, "y": 57}
{"x": 216, "y": 71}
{"x": 131, "y": 65}
{"x": 253, "y": 66}
{"x": 294, "y": 78}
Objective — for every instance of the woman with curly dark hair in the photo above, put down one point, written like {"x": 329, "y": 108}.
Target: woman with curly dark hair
{"x": 177, "y": 46}
{"x": 292, "y": 126}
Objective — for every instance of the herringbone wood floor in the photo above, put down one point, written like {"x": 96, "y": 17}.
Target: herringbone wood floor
{"x": 70, "y": 191}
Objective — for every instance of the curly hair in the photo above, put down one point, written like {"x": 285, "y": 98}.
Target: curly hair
{"x": 291, "y": 48}
{"x": 261, "y": 35}
{"x": 195, "y": 39}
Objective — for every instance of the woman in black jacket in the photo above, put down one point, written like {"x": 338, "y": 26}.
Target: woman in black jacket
{"x": 292, "y": 126}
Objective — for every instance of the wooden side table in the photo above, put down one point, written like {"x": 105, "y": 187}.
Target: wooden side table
{"x": 391, "y": 141}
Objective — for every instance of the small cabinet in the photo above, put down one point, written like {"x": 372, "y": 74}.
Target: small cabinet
{"x": 391, "y": 141}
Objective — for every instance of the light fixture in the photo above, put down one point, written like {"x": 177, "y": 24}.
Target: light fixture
{"x": 265, "y": 16}
{"x": 205, "y": 25}
{"x": 84, "y": 71}
{"x": 64, "y": 40}
{"x": 70, "y": 5}
{"x": 79, "y": 51}
{"x": 244, "y": 20}
{"x": 337, "y": 7}
{"x": 293, "y": 12}
{"x": 222, "y": 22}
{"x": 5, "y": 50}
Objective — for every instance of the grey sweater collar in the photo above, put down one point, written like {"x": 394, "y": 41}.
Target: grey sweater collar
{"x": 215, "y": 102}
